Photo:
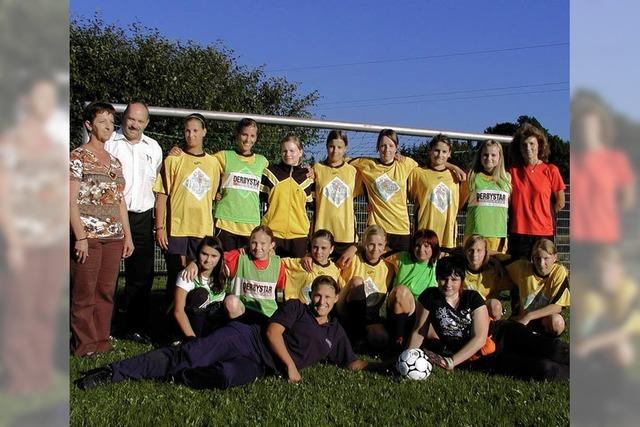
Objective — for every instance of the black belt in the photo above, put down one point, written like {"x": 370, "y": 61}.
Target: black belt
{"x": 140, "y": 213}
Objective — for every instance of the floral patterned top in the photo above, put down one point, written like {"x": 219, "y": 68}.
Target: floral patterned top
{"x": 36, "y": 166}
{"x": 100, "y": 194}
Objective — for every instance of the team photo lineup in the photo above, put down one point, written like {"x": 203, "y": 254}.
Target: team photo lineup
{"x": 251, "y": 294}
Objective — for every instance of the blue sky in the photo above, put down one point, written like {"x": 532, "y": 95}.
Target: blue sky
{"x": 604, "y": 51}
{"x": 461, "y": 65}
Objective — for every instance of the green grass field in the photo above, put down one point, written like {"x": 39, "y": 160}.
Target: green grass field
{"x": 327, "y": 396}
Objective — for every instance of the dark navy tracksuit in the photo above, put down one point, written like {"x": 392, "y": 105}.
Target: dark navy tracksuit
{"x": 237, "y": 353}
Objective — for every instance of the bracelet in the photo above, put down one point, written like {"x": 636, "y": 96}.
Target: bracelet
{"x": 79, "y": 240}
{"x": 158, "y": 228}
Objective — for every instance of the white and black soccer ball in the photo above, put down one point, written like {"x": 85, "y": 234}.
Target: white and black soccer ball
{"x": 413, "y": 364}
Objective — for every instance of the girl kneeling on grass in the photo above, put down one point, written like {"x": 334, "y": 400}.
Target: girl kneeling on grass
{"x": 254, "y": 278}
{"x": 302, "y": 271}
{"x": 543, "y": 287}
{"x": 198, "y": 302}
{"x": 297, "y": 336}
{"x": 467, "y": 338}
{"x": 368, "y": 277}
{"x": 482, "y": 275}
{"x": 415, "y": 272}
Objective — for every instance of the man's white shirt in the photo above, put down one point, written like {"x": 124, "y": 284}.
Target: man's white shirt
{"x": 141, "y": 163}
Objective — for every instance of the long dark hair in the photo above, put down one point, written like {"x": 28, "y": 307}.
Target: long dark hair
{"x": 214, "y": 280}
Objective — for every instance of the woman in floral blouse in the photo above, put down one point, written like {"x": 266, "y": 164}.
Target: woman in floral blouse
{"x": 100, "y": 233}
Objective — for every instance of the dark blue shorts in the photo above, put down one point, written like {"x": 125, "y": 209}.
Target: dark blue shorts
{"x": 184, "y": 246}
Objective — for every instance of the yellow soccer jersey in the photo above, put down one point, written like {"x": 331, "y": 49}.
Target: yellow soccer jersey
{"x": 599, "y": 312}
{"x": 537, "y": 292}
{"x": 230, "y": 226}
{"x": 377, "y": 278}
{"x": 386, "y": 187}
{"x": 437, "y": 198}
{"x": 289, "y": 191}
{"x": 190, "y": 182}
{"x": 299, "y": 280}
{"x": 486, "y": 282}
{"x": 334, "y": 193}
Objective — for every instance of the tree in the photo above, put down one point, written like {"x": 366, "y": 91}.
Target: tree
{"x": 33, "y": 45}
{"x": 137, "y": 63}
{"x": 559, "y": 148}
{"x": 462, "y": 152}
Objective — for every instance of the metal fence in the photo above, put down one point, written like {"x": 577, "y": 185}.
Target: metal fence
{"x": 362, "y": 138}
{"x": 562, "y": 231}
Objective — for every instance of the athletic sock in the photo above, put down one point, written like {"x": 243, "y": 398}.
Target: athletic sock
{"x": 357, "y": 319}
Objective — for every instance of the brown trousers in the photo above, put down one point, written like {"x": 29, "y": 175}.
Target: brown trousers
{"x": 93, "y": 286}
{"x": 31, "y": 306}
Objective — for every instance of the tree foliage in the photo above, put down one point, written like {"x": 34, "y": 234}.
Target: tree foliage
{"x": 33, "y": 44}
{"x": 463, "y": 151}
{"x": 559, "y": 148}
{"x": 120, "y": 65}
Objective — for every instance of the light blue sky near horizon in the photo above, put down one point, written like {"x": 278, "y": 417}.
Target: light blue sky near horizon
{"x": 604, "y": 52}
{"x": 486, "y": 62}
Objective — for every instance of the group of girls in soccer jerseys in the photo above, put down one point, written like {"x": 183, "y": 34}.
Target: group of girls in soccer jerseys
{"x": 389, "y": 290}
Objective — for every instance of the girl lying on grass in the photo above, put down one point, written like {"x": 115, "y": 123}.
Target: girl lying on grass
{"x": 297, "y": 336}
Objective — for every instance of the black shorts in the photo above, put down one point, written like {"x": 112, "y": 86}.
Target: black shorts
{"x": 408, "y": 325}
{"x": 399, "y": 242}
{"x": 231, "y": 240}
{"x": 294, "y": 248}
{"x": 338, "y": 249}
{"x": 520, "y": 245}
{"x": 186, "y": 246}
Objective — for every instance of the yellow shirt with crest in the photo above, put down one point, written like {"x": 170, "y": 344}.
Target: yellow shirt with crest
{"x": 334, "y": 193}
{"x": 299, "y": 280}
{"x": 537, "y": 292}
{"x": 377, "y": 277}
{"x": 386, "y": 187}
{"x": 437, "y": 197}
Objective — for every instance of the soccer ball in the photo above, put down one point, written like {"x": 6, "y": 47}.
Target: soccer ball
{"x": 413, "y": 364}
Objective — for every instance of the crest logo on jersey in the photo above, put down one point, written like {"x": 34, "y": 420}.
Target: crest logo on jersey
{"x": 336, "y": 192}
{"x": 440, "y": 197}
{"x": 372, "y": 292}
{"x": 198, "y": 183}
{"x": 306, "y": 293}
{"x": 386, "y": 187}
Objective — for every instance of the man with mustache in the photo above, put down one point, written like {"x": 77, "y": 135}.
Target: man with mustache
{"x": 141, "y": 158}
